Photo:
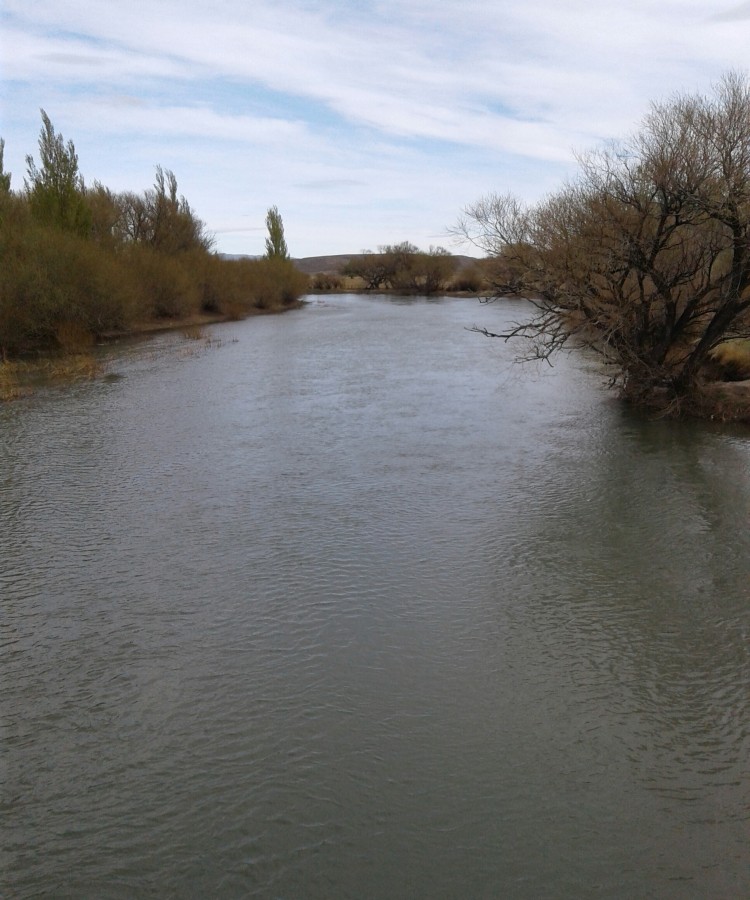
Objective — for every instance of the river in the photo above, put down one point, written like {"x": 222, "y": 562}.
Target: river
{"x": 344, "y": 603}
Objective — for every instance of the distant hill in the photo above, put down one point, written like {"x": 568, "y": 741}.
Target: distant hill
{"x": 312, "y": 265}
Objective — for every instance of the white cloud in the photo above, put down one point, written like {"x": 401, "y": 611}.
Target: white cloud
{"x": 400, "y": 113}
{"x": 734, "y": 14}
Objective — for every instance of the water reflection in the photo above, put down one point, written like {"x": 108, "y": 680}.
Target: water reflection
{"x": 635, "y": 565}
{"x": 345, "y": 605}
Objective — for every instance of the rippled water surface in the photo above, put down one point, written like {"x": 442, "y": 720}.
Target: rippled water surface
{"x": 344, "y": 604}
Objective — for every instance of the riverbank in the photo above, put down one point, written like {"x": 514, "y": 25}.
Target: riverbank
{"x": 77, "y": 361}
{"x": 725, "y": 401}
{"x": 193, "y": 321}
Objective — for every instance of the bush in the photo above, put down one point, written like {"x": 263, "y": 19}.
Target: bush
{"x": 274, "y": 283}
{"x": 469, "y": 279}
{"x": 53, "y": 280}
{"x": 163, "y": 284}
{"x": 327, "y": 281}
{"x": 77, "y": 263}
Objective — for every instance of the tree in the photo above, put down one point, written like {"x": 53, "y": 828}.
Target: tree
{"x": 403, "y": 267}
{"x": 436, "y": 267}
{"x": 170, "y": 225}
{"x": 399, "y": 265}
{"x": 4, "y": 176}
{"x": 275, "y": 243}
{"x": 134, "y": 220}
{"x": 371, "y": 267}
{"x": 645, "y": 256}
{"x": 56, "y": 190}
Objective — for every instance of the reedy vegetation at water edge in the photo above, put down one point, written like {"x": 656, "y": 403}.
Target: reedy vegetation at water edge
{"x": 86, "y": 261}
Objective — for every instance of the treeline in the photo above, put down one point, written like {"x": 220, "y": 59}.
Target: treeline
{"x": 78, "y": 262}
{"x": 407, "y": 269}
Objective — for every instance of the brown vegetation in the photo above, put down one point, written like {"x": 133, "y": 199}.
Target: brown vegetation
{"x": 645, "y": 257}
{"x": 79, "y": 263}
{"x": 403, "y": 268}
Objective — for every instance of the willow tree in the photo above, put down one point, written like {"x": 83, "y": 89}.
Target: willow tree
{"x": 645, "y": 256}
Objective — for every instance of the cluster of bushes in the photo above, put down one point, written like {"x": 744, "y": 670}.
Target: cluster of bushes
{"x": 406, "y": 269}
{"x": 403, "y": 267}
{"x": 78, "y": 262}
{"x": 327, "y": 281}
{"x": 471, "y": 279}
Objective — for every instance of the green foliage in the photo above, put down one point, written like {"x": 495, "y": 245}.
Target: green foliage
{"x": 4, "y": 176}
{"x": 170, "y": 224}
{"x": 56, "y": 190}
{"x": 275, "y": 243}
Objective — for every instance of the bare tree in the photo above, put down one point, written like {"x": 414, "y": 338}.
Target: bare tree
{"x": 646, "y": 255}
{"x": 161, "y": 218}
{"x": 403, "y": 267}
{"x": 371, "y": 267}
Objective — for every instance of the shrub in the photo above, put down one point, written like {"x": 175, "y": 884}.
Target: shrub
{"x": 327, "y": 281}
{"x": 165, "y": 288}
{"x": 56, "y": 283}
{"x": 469, "y": 279}
{"x": 274, "y": 283}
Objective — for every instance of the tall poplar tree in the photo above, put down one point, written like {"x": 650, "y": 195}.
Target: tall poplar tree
{"x": 55, "y": 188}
{"x": 4, "y": 176}
{"x": 276, "y": 247}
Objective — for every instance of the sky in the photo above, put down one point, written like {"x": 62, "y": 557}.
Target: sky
{"x": 364, "y": 122}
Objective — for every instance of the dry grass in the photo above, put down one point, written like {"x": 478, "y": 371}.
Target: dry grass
{"x": 72, "y": 367}
{"x": 724, "y": 401}
{"x": 733, "y": 360}
{"x": 194, "y": 333}
{"x": 19, "y": 379}
{"x": 11, "y": 382}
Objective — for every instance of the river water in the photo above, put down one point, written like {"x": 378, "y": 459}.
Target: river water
{"x": 343, "y": 603}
